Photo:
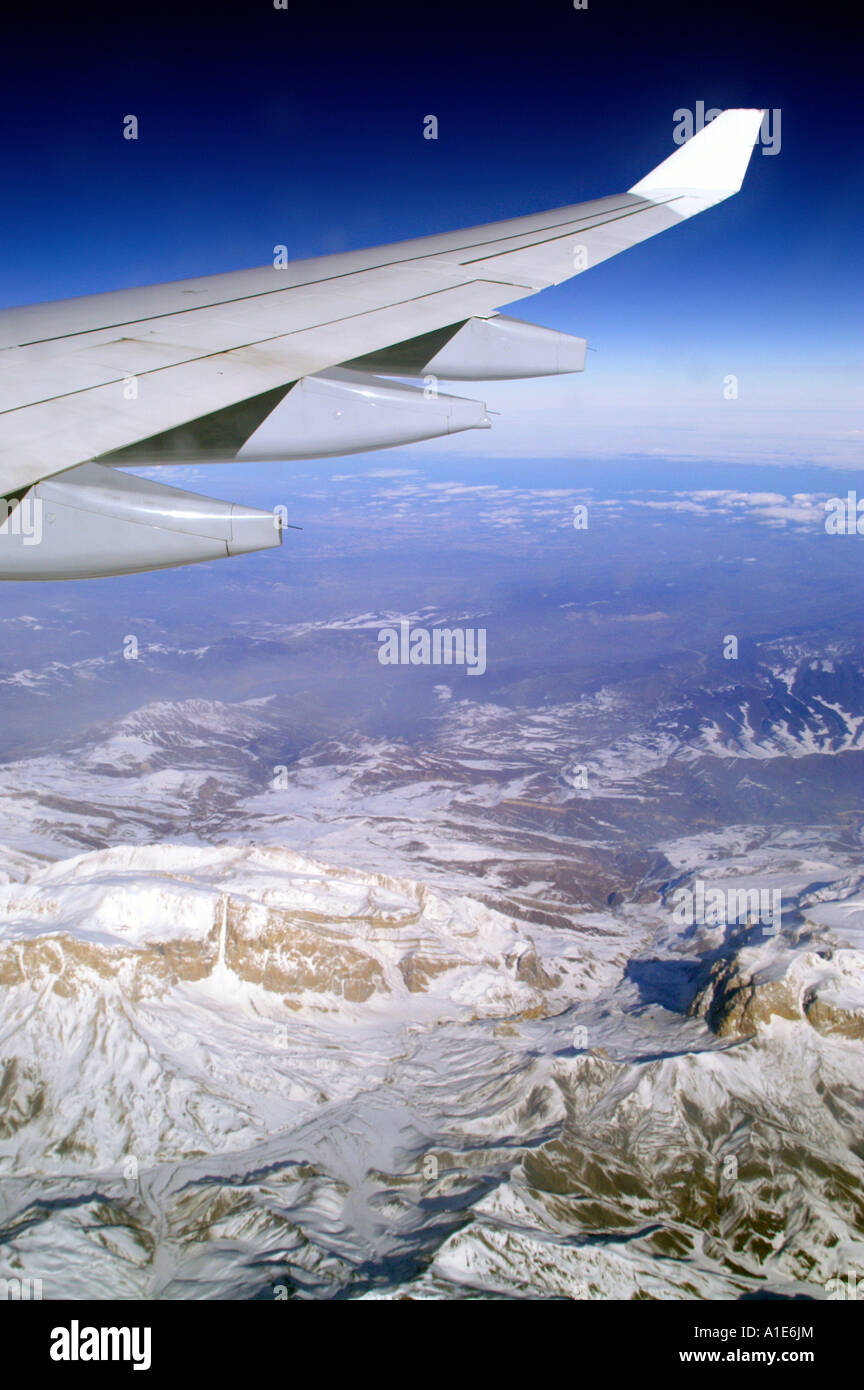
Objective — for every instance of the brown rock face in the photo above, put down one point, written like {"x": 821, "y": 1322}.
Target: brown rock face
{"x": 66, "y": 963}
{"x": 830, "y": 1017}
{"x": 530, "y": 970}
{"x": 735, "y": 1005}
{"x": 741, "y": 996}
{"x": 418, "y": 970}
{"x": 273, "y": 948}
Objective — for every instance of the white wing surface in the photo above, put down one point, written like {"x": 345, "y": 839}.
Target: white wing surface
{"x": 296, "y": 361}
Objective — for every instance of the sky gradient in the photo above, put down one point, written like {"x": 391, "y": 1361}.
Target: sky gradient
{"x": 260, "y": 127}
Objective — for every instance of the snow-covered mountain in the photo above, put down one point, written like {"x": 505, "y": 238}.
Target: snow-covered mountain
{"x": 379, "y": 1019}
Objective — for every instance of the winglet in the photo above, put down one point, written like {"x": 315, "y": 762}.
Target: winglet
{"x": 708, "y": 168}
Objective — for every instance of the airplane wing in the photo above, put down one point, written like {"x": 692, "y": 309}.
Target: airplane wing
{"x": 292, "y": 361}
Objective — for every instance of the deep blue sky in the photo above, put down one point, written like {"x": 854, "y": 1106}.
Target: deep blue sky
{"x": 260, "y": 126}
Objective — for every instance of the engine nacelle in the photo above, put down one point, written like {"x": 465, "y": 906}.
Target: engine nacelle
{"x": 492, "y": 349}
{"x": 93, "y": 521}
{"x": 346, "y": 412}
